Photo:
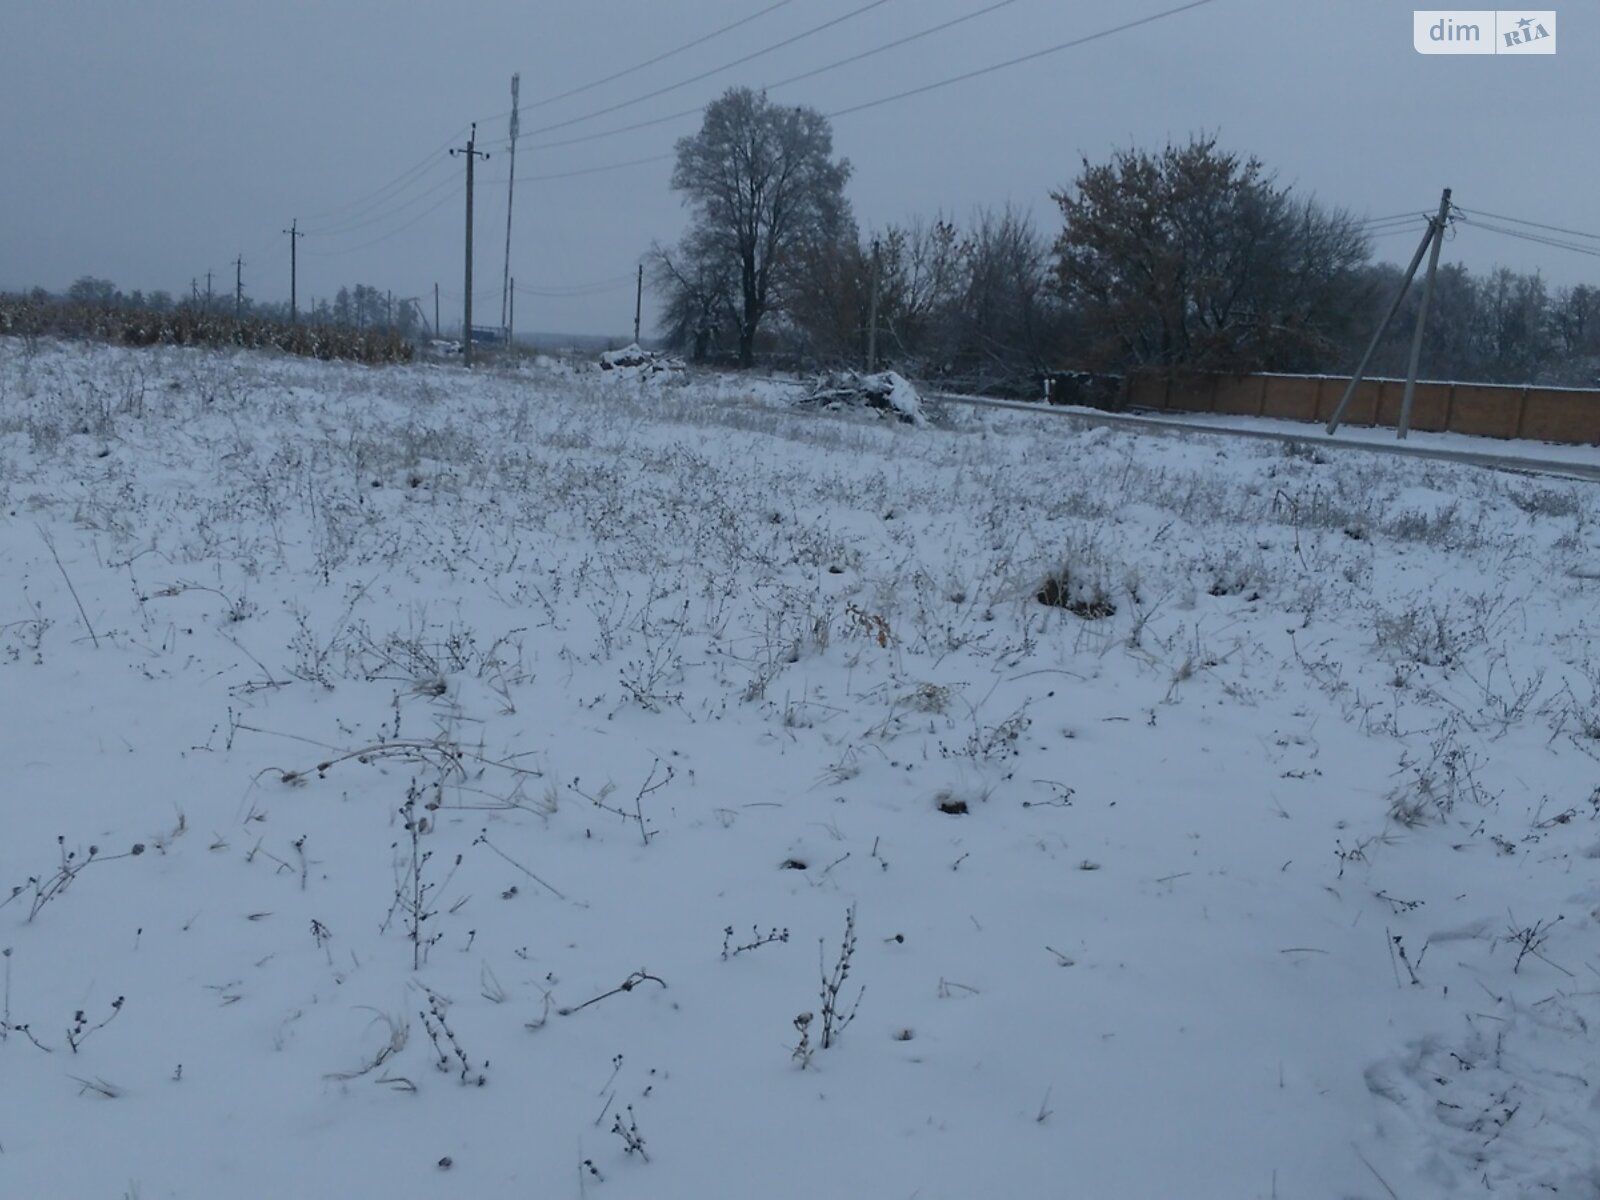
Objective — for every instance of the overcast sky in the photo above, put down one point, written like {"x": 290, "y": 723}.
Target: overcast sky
{"x": 148, "y": 142}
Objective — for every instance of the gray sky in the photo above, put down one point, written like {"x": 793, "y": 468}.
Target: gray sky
{"x": 147, "y": 142}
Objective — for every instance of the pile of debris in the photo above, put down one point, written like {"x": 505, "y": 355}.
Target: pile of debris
{"x": 885, "y": 392}
{"x": 633, "y": 360}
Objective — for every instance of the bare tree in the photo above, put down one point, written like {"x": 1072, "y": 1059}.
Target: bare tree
{"x": 765, "y": 191}
{"x": 698, "y": 290}
{"x": 1005, "y": 319}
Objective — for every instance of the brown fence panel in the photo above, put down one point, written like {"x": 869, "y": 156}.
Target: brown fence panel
{"x": 1291, "y": 398}
{"x": 1486, "y": 411}
{"x": 1240, "y": 395}
{"x": 1562, "y": 416}
{"x": 1191, "y": 393}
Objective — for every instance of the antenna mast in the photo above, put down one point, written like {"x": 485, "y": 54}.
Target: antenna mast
{"x": 511, "y": 185}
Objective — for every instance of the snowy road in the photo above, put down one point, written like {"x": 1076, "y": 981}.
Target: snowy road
{"x": 1525, "y": 458}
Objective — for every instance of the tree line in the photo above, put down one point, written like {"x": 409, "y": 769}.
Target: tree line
{"x": 361, "y": 307}
{"x": 95, "y": 308}
{"x": 1192, "y": 257}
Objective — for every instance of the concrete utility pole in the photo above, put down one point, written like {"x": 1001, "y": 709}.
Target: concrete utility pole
{"x": 472, "y": 153}
{"x": 294, "y": 241}
{"x": 1388, "y": 317}
{"x": 238, "y": 287}
{"x": 511, "y": 186}
{"x": 638, "y": 304}
{"x": 1436, "y": 227}
{"x": 872, "y": 315}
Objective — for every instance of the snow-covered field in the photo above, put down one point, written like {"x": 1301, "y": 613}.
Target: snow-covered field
{"x": 421, "y": 784}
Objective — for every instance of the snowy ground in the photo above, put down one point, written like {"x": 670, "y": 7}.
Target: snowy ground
{"x": 431, "y": 785}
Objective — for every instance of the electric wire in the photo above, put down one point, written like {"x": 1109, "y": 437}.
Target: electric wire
{"x": 913, "y": 91}
{"x": 604, "y": 167}
{"x": 1012, "y": 62}
{"x": 1531, "y": 224}
{"x": 1539, "y": 239}
{"x": 578, "y": 291}
{"x": 380, "y": 194}
{"x": 1383, "y": 233}
{"x": 774, "y": 86}
{"x": 649, "y": 62}
{"x": 683, "y": 83}
{"x": 1405, "y": 216}
{"x": 395, "y": 232}
{"x": 353, "y": 226}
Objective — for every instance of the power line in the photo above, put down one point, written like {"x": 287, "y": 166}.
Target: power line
{"x": 397, "y": 230}
{"x": 1405, "y": 216}
{"x": 1591, "y": 251}
{"x": 341, "y": 229}
{"x": 1411, "y": 228}
{"x": 774, "y": 86}
{"x": 1400, "y": 219}
{"x": 649, "y": 62}
{"x": 379, "y": 194}
{"x": 1104, "y": 33}
{"x": 1536, "y": 224}
{"x": 616, "y": 166}
{"x": 1012, "y": 62}
{"x": 661, "y": 91}
{"x": 578, "y": 290}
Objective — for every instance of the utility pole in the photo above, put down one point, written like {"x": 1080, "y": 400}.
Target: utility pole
{"x": 638, "y": 304}
{"x": 511, "y": 309}
{"x": 472, "y": 153}
{"x": 294, "y": 240}
{"x": 238, "y": 287}
{"x": 1428, "y": 238}
{"x": 1436, "y": 227}
{"x": 437, "y": 329}
{"x": 872, "y": 315}
{"x": 208, "y": 291}
{"x": 511, "y": 185}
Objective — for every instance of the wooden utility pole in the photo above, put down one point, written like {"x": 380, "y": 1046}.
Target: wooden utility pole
{"x": 472, "y": 154}
{"x": 294, "y": 241}
{"x": 1436, "y": 227}
{"x": 1428, "y": 239}
{"x": 436, "y": 328}
{"x": 238, "y": 287}
{"x": 872, "y": 315}
{"x": 208, "y": 291}
{"x": 638, "y": 304}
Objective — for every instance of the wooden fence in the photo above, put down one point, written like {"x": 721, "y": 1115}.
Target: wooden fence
{"x": 1545, "y": 414}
